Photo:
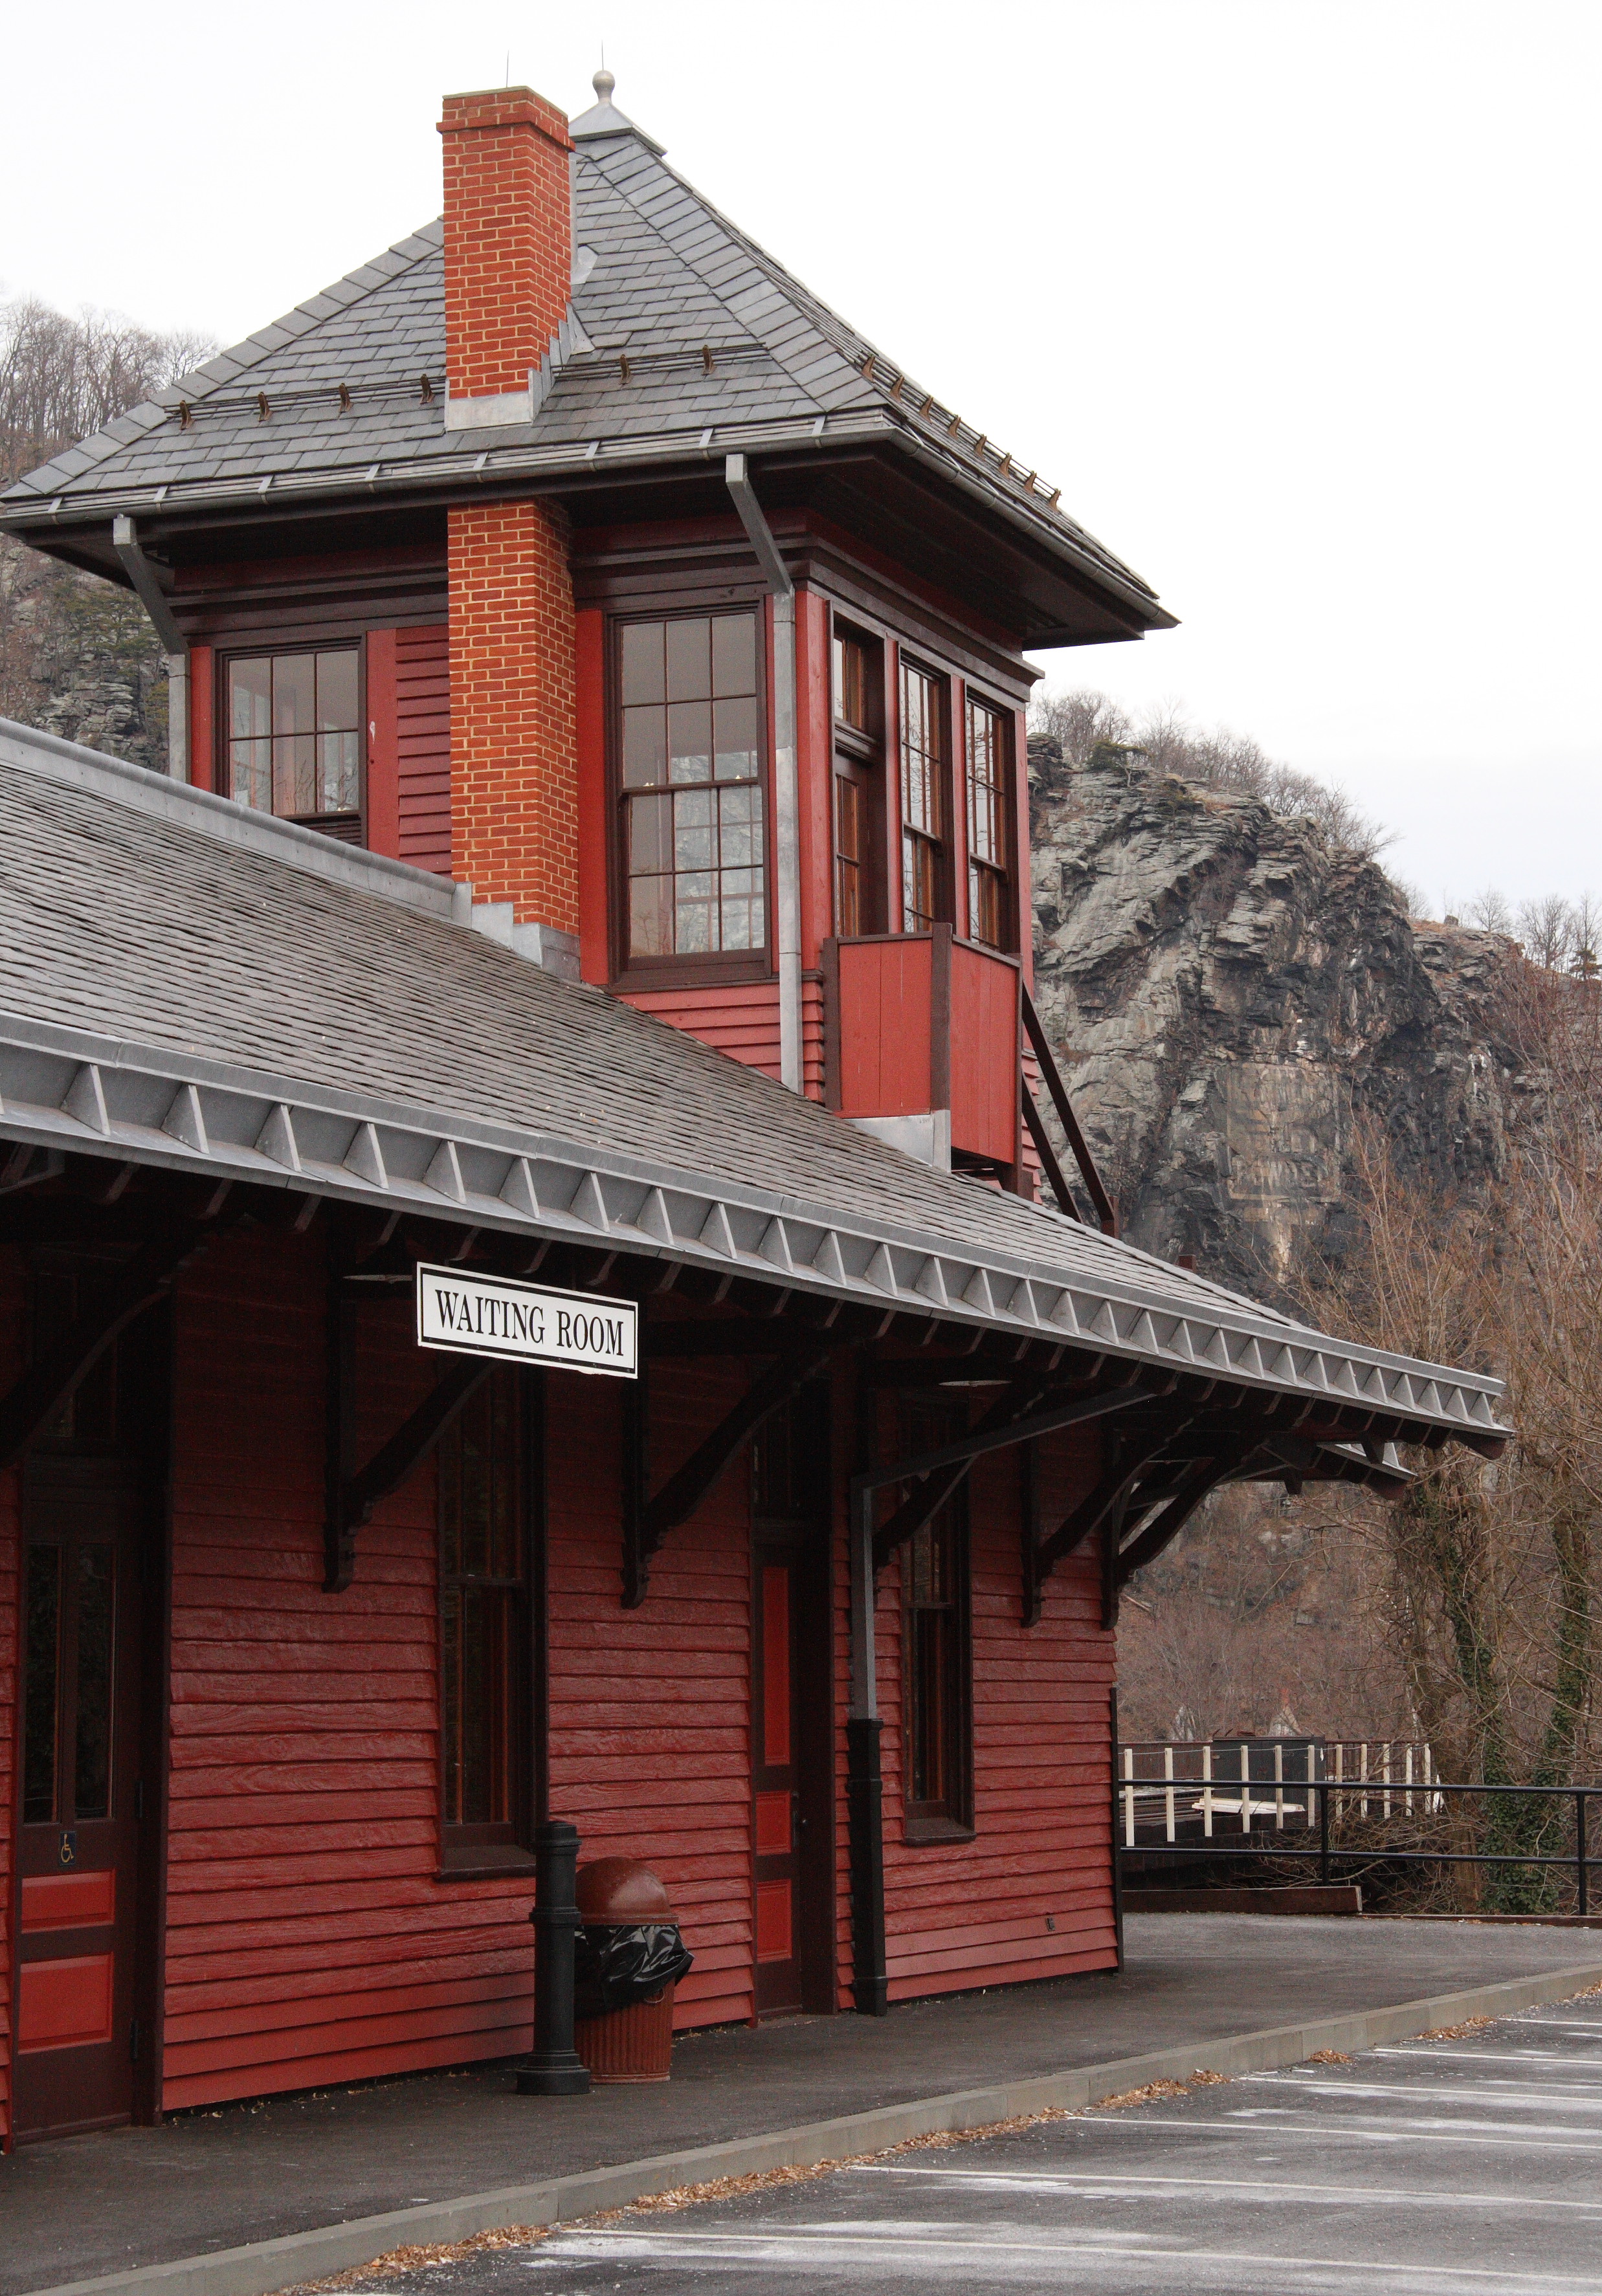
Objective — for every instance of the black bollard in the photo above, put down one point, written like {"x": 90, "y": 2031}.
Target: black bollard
{"x": 554, "y": 2069}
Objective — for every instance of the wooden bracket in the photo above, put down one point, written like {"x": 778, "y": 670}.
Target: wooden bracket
{"x": 646, "y": 1520}
{"x": 352, "y": 1494}
{"x": 49, "y": 1382}
{"x": 1127, "y": 1460}
{"x": 1172, "y": 1518}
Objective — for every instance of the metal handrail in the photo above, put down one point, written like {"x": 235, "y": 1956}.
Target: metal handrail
{"x": 1578, "y": 1862}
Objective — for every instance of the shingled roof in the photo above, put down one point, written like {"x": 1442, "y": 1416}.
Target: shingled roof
{"x": 187, "y": 984}
{"x": 687, "y": 339}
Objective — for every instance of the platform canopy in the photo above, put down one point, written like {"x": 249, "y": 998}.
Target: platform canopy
{"x": 192, "y": 986}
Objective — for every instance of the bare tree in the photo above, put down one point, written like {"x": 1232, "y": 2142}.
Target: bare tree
{"x": 1491, "y": 911}
{"x": 78, "y": 655}
{"x": 1545, "y": 927}
{"x": 1082, "y": 720}
{"x": 1492, "y": 1567}
{"x": 62, "y": 378}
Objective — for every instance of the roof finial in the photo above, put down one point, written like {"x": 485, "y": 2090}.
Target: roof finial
{"x": 604, "y": 84}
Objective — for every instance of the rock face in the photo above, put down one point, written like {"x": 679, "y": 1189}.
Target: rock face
{"x": 1229, "y": 997}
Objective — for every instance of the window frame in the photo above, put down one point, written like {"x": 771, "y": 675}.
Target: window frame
{"x": 950, "y": 1818}
{"x": 1007, "y": 790}
{"x": 222, "y": 739}
{"x": 910, "y": 662}
{"x": 478, "y": 1847}
{"x": 860, "y": 749}
{"x": 702, "y": 969}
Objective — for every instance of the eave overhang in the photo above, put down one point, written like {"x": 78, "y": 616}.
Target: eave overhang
{"x": 77, "y": 525}
{"x": 71, "y": 1092}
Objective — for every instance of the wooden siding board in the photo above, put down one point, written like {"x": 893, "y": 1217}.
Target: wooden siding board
{"x": 305, "y": 1727}
{"x": 973, "y": 1911}
{"x": 741, "y": 1020}
{"x": 310, "y": 1936}
{"x": 677, "y": 1796}
{"x": 422, "y": 746}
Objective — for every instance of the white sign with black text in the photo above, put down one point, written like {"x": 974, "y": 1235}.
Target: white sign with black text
{"x": 523, "y": 1322}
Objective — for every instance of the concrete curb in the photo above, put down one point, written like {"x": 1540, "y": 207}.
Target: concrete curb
{"x": 261, "y": 2267}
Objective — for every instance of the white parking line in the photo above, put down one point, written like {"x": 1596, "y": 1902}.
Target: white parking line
{"x": 1088, "y": 2184}
{"x": 1494, "y": 2056}
{"x": 1587, "y": 2097}
{"x": 811, "y": 2249}
{"x": 1332, "y": 2132}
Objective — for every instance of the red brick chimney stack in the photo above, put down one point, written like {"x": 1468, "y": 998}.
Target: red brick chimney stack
{"x": 508, "y": 265}
{"x": 508, "y": 236}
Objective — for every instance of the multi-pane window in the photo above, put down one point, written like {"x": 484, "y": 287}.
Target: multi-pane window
{"x": 851, "y": 681}
{"x": 922, "y": 798}
{"x": 483, "y": 1617}
{"x": 934, "y": 1663}
{"x": 851, "y": 848}
{"x": 858, "y": 765}
{"x": 989, "y": 887}
{"x": 691, "y": 755}
{"x": 295, "y": 733}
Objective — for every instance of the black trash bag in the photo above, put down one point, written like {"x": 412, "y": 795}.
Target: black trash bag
{"x": 616, "y": 1964}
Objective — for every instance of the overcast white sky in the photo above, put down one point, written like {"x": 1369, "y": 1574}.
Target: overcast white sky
{"x": 1297, "y": 302}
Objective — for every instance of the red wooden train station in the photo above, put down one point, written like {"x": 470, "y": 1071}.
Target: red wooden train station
{"x": 593, "y": 872}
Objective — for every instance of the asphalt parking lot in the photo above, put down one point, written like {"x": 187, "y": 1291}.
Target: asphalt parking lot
{"x": 1468, "y": 2161}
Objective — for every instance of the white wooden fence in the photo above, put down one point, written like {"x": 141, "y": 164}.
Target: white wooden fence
{"x": 1258, "y": 1784}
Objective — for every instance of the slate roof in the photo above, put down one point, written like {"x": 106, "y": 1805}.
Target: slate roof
{"x": 185, "y": 983}
{"x": 662, "y": 282}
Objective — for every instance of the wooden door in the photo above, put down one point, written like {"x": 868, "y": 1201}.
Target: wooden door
{"x": 776, "y": 1816}
{"x": 77, "y": 2041}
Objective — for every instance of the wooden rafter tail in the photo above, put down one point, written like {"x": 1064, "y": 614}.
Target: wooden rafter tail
{"x": 1051, "y": 1077}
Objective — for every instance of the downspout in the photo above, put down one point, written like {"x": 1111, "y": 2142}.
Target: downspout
{"x": 786, "y": 803}
{"x": 142, "y": 574}
{"x": 864, "y": 1773}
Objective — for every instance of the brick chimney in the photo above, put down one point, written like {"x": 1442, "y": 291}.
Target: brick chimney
{"x": 508, "y": 263}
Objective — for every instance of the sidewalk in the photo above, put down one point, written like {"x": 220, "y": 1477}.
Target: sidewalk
{"x": 92, "y": 2206}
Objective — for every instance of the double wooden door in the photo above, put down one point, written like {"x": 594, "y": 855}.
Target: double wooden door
{"x": 78, "y": 2041}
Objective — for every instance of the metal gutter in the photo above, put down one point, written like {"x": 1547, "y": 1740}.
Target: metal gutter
{"x": 786, "y": 798}
{"x": 142, "y": 574}
{"x": 572, "y": 459}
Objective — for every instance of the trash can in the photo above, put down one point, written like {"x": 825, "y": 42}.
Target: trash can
{"x": 628, "y": 1958}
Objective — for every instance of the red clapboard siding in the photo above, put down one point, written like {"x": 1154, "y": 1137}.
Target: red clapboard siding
{"x": 742, "y": 1019}
{"x": 743, "y": 1022}
{"x": 11, "y": 1323}
{"x": 307, "y": 1937}
{"x": 959, "y": 1915}
{"x": 645, "y": 1780}
{"x": 422, "y": 746}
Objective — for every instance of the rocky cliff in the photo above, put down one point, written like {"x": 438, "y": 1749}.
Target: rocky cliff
{"x": 1230, "y": 993}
